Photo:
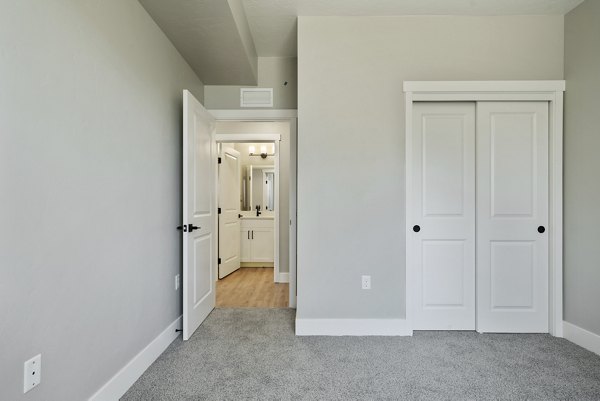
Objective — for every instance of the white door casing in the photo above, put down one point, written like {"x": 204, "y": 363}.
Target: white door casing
{"x": 443, "y": 216}
{"x": 291, "y": 117}
{"x": 512, "y": 205}
{"x": 229, "y": 218}
{"x": 199, "y": 214}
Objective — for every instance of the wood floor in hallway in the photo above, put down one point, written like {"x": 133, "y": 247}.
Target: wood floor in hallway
{"x": 252, "y": 287}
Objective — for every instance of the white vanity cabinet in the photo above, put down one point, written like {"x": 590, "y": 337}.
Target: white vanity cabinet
{"x": 258, "y": 240}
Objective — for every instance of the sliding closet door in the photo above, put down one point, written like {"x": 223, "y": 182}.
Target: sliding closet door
{"x": 442, "y": 240}
{"x": 512, "y": 217}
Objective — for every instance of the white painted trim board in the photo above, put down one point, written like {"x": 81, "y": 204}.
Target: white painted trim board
{"x": 283, "y": 278}
{"x": 582, "y": 337}
{"x": 247, "y": 138}
{"x": 254, "y": 115}
{"x": 124, "y": 378}
{"x": 484, "y": 86}
{"x": 352, "y": 327}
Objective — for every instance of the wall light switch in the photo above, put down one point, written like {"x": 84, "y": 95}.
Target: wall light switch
{"x": 366, "y": 282}
{"x": 32, "y": 373}
{"x": 177, "y": 282}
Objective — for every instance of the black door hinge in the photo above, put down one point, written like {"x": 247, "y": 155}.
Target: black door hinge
{"x": 219, "y": 160}
{"x": 218, "y": 210}
{"x": 219, "y": 261}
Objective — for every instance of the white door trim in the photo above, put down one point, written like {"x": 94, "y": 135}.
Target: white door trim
{"x": 290, "y": 116}
{"x": 254, "y": 115}
{"x": 252, "y": 138}
{"x": 550, "y": 91}
{"x": 241, "y": 138}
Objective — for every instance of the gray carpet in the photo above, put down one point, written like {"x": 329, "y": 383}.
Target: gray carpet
{"x": 252, "y": 354}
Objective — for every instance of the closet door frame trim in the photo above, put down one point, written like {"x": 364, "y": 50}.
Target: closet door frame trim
{"x": 474, "y": 91}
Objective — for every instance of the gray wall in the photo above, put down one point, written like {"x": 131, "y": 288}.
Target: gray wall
{"x": 90, "y": 188}
{"x": 286, "y": 146}
{"x": 351, "y": 132}
{"x": 581, "y": 166}
{"x": 273, "y": 72}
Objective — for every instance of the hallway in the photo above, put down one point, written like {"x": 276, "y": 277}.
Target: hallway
{"x": 252, "y": 287}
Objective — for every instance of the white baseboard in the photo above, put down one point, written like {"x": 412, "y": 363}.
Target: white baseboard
{"x": 283, "y": 278}
{"x": 352, "y": 327}
{"x": 582, "y": 337}
{"x": 120, "y": 382}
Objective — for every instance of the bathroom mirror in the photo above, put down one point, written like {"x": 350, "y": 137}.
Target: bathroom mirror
{"x": 258, "y": 188}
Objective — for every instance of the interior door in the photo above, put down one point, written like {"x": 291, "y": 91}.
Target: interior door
{"x": 512, "y": 217}
{"x": 199, "y": 214}
{"x": 229, "y": 218}
{"x": 442, "y": 234}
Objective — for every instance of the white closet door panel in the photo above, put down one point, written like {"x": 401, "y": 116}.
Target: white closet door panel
{"x": 512, "y": 202}
{"x": 444, "y": 209}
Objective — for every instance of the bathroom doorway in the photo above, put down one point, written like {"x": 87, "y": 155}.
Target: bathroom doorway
{"x": 248, "y": 224}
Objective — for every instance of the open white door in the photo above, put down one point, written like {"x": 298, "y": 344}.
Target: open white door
{"x": 199, "y": 211}
{"x": 229, "y": 217}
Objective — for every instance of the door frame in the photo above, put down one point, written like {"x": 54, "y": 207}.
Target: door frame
{"x": 473, "y": 91}
{"x": 271, "y": 115}
{"x": 264, "y": 138}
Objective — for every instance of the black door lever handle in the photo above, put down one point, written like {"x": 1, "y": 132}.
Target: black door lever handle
{"x": 182, "y": 228}
{"x": 192, "y": 227}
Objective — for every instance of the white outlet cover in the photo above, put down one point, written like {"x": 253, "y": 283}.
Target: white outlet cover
{"x": 32, "y": 373}
{"x": 366, "y": 282}
{"x": 177, "y": 282}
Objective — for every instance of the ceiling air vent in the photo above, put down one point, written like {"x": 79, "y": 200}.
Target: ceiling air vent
{"x": 256, "y": 97}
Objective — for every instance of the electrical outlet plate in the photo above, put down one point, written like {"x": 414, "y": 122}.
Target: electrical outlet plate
{"x": 366, "y": 282}
{"x": 32, "y": 373}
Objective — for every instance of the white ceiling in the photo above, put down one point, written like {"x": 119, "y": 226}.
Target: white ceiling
{"x": 273, "y": 22}
{"x": 210, "y": 35}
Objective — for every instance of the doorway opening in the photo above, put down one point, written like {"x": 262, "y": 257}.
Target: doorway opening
{"x": 249, "y": 181}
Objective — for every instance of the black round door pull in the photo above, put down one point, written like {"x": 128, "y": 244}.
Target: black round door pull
{"x": 541, "y": 229}
{"x": 416, "y": 228}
